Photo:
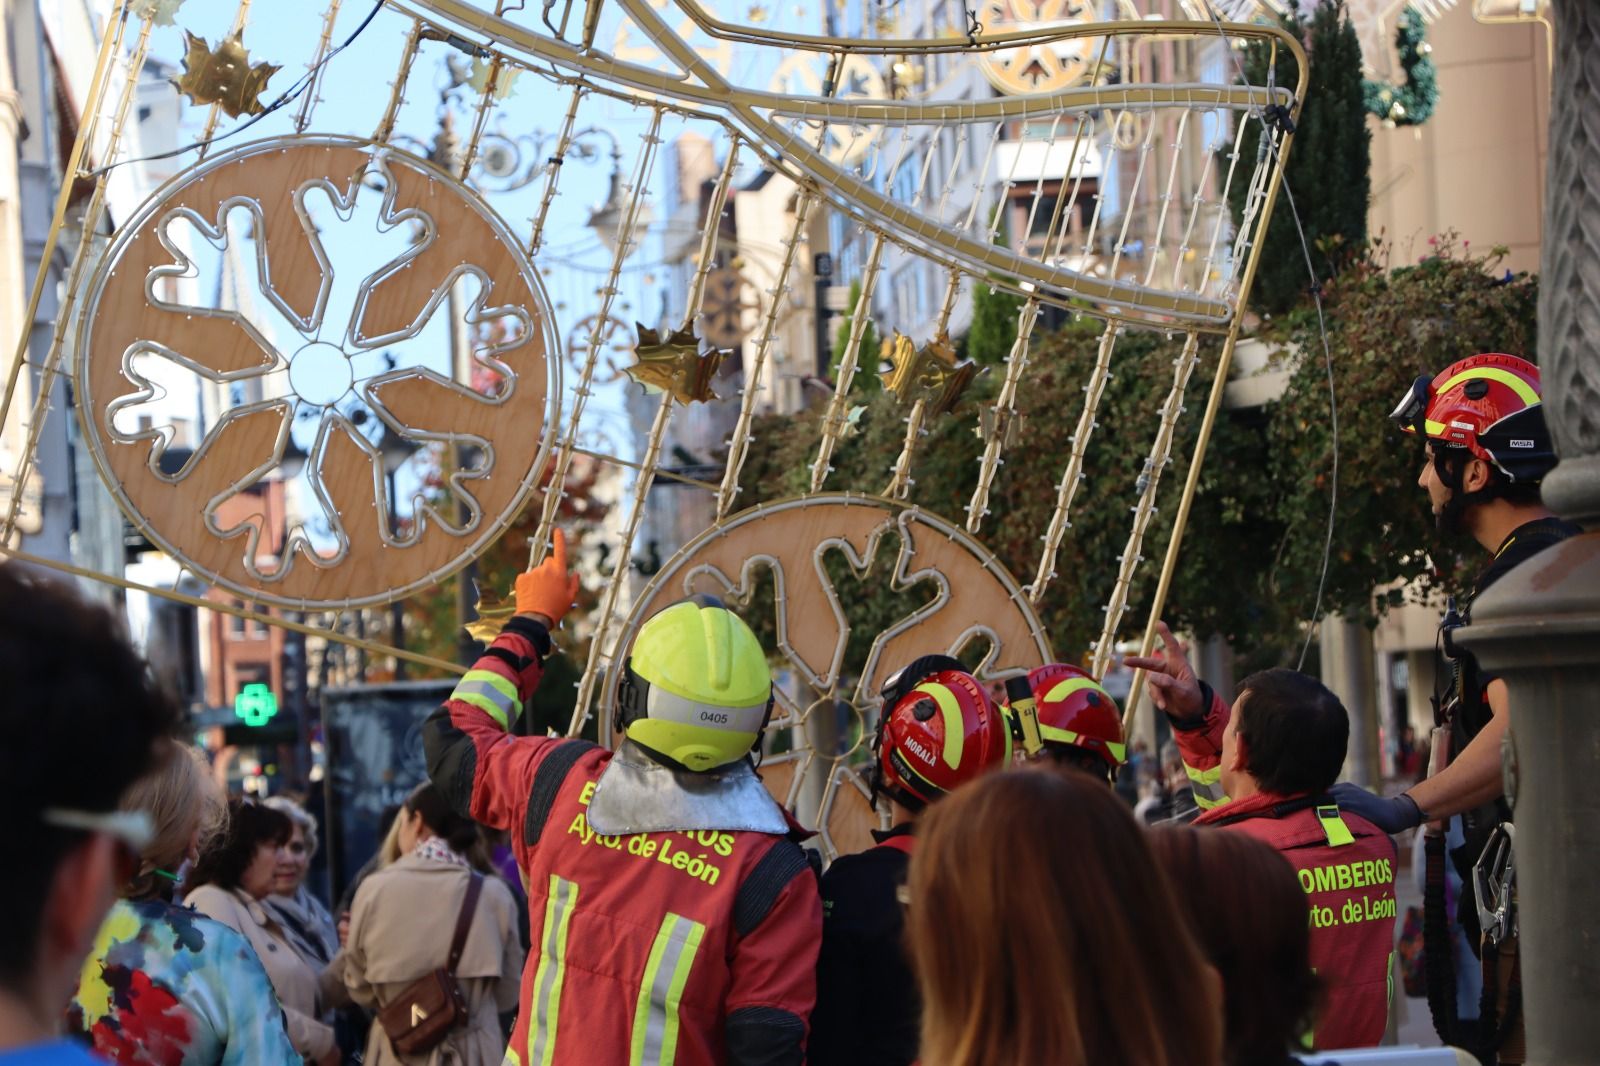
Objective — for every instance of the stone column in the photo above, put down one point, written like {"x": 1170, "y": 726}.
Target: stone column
{"x": 1539, "y": 626}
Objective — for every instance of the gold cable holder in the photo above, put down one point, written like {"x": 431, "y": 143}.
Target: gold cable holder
{"x": 1005, "y": 412}
{"x": 554, "y": 491}
{"x": 1169, "y": 564}
{"x": 397, "y": 89}
{"x": 97, "y": 85}
{"x": 739, "y": 443}
{"x": 314, "y": 90}
{"x": 652, "y": 455}
{"x": 1060, "y": 520}
{"x": 1149, "y": 485}
{"x": 241, "y": 18}
{"x": 223, "y": 607}
{"x": 80, "y": 261}
{"x": 833, "y": 423}
{"x": 553, "y": 168}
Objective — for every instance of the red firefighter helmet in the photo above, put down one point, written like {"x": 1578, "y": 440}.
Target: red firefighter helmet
{"x": 940, "y": 731}
{"x": 1488, "y": 405}
{"x": 1072, "y": 710}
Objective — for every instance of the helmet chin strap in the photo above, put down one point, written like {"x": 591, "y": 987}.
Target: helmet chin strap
{"x": 1452, "y": 517}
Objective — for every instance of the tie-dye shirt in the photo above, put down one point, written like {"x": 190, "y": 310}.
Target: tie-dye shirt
{"x": 165, "y": 986}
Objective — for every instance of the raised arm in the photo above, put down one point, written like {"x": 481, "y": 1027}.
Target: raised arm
{"x": 472, "y": 756}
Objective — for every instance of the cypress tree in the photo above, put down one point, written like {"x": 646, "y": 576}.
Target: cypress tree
{"x": 1329, "y": 163}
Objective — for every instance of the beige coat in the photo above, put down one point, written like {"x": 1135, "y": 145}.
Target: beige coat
{"x": 295, "y": 982}
{"x": 400, "y": 930}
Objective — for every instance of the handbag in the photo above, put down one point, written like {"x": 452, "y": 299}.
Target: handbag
{"x": 429, "y": 1008}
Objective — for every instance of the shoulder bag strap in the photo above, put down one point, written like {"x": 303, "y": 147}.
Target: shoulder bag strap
{"x": 458, "y": 943}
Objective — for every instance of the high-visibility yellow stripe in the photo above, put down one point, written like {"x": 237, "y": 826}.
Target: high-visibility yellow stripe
{"x": 1063, "y": 689}
{"x": 655, "y": 1015}
{"x": 1060, "y": 736}
{"x": 494, "y": 681}
{"x": 1333, "y": 827}
{"x": 552, "y": 971}
{"x": 1432, "y": 428}
{"x": 512, "y": 1058}
{"x": 491, "y": 694}
{"x": 486, "y": 705}
{"x": 1206, "y": 786}
{"x": 955, "y": 732}
{"x": 1493, "y": 373}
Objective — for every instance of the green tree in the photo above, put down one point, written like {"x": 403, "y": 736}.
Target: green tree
{"x": 1252, "y": 552}
{"x": 866, "y": 353}
{"x": 1385, "y": 328}
{"x": 1328, "y": 169}
{"x": 994, "y": 325}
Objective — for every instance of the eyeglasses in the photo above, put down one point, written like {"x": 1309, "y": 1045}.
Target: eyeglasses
{"x": 129, "y": 831}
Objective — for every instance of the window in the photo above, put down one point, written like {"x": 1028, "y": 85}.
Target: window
{"x": 1049, "y": 197}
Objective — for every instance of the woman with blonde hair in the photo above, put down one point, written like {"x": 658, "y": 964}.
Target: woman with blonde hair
{"x": 304, "y": 917}
{"x": 1042, "y": 930}
{"x": 164, "y": 985}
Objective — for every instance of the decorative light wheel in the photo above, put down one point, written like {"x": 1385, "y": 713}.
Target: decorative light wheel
{"x": 1039, "y": 68}
{"x": 616, "y": 346}
{"x": 295, "y": 286}
{"x": 802, "y": 74}
{"x": 829, "y": 709}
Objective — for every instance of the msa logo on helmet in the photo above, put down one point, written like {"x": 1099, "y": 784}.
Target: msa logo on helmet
{"x": 919, "y": 751}
{"x": 1522, "y": 443}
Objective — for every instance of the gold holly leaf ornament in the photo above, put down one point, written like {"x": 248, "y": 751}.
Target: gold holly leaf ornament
{"x": 931, "y": 373}
{"x": 224, "y": 76}
{"x": 494, "y": 611}
{"x": 681, "y": 364}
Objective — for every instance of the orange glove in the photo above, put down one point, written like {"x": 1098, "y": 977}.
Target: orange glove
{"x": 547, "y": 589}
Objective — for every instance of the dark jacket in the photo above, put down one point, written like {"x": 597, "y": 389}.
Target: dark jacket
{"x": 867, "y": 1007}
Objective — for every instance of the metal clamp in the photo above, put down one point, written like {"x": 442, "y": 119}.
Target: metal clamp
{"x": 1494, "y": 878}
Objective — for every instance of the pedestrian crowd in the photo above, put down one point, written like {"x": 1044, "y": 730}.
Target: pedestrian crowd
{"x": 545, "y": 900}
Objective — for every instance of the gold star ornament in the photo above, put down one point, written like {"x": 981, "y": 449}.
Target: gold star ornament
{"x": 224, "y": 76}
{"x": 931, "y": 373}
{"x": 680, "y": 364}
{"x": 493, "y": 613}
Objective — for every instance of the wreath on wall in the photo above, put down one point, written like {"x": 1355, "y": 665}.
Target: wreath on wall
{"x": 1410, "y": 103}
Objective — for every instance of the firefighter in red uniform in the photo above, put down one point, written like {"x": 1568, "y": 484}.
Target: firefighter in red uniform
{"x": 1264, "y": 767}
{"x": 939, "y": 730}
{"x": 674, "y": 917}
{"x": 1059, "y": 713}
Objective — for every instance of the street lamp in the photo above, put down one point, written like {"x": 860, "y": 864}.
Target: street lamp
{"x": 609, "y": 219}
{"x": 394, "y": 450}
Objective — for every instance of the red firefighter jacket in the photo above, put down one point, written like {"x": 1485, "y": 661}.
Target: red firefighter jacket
{"x": 656, "y": 948}
{"x": 1346, "y": 866}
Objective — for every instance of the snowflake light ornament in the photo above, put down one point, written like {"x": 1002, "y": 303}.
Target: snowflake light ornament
{"x": 300, "y": 288}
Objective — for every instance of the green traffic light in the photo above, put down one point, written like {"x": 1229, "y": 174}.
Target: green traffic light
{"x": 255, "y": 705}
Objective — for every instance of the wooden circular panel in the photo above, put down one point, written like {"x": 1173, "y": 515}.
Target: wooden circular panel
{"x": 973, "y": 599}
{"x": 305, "y": 284}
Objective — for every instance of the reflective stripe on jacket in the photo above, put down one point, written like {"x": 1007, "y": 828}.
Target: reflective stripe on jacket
{"x": 1346, "y": 865}
{"x": 687, "y": 947}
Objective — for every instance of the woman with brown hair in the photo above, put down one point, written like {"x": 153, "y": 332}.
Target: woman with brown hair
{"x": 403, "y": 924}
{"x": 1043, "y": 931}
{"x": 228, "y": 883}
{"x": 1245, "y": 903}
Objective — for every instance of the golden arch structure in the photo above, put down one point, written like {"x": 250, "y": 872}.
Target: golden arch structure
{"x": 229, "y": 279}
